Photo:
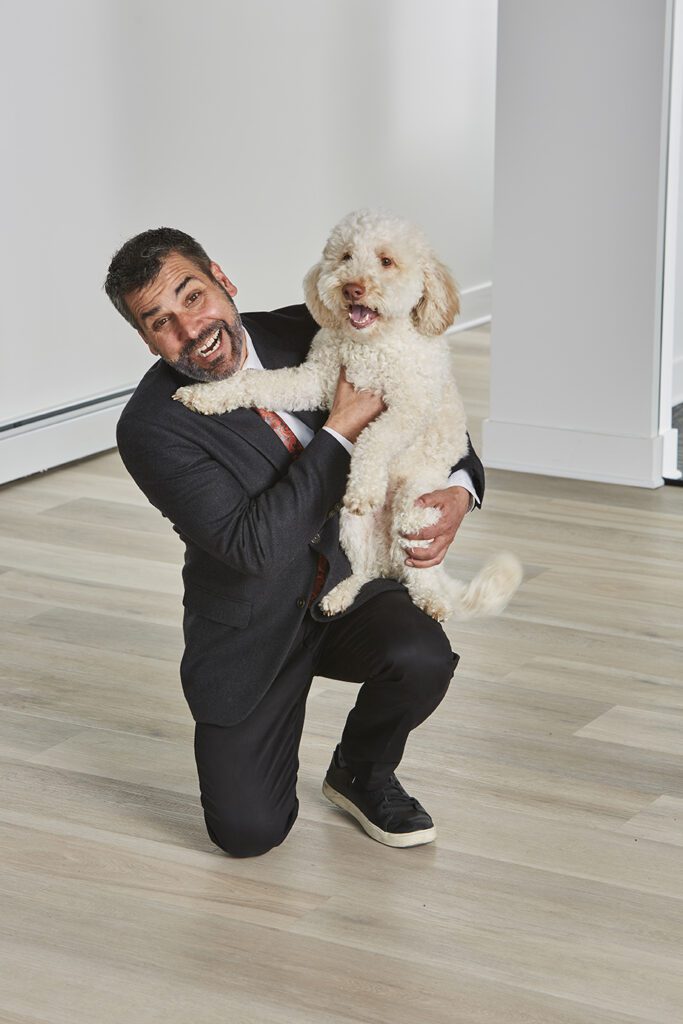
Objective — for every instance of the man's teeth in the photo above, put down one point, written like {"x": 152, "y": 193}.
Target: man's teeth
{"x": 211, "y": 345}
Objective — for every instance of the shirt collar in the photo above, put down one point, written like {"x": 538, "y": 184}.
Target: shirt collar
{"x": 252, "y": 362}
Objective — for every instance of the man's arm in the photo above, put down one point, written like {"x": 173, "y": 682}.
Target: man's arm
{"x": 461, "y": 478}
{"x": 466, "y": 473}
{"x": 258, "y": 536}
{"x": 472, "y": 465}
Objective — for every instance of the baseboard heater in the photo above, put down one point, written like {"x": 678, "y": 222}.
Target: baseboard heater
{"x": 32, "y": 444}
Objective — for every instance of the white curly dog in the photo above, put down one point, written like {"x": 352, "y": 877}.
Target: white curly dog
{"x": 383, "y": 301}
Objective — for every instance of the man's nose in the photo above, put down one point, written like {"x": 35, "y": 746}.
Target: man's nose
{"x": 187, "y": 329}
{"x": 353, "y": 291}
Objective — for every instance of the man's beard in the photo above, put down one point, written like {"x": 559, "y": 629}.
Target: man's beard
{"x": 232, "y": 335}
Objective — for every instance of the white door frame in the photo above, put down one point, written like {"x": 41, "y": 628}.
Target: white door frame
{"x": 673, "y": 229}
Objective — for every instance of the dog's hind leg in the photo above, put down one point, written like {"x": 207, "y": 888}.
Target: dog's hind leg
{"x": 343, "y": 595}
{"x": 432, "y": 589}
{"x": 376, "y": 447}
{"x": 361, "y": 540}
{"x": 428, "y": 588}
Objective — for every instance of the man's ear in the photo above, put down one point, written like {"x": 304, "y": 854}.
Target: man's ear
{"x": 223, "y": 279}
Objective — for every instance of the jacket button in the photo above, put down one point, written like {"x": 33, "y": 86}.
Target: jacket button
{"x": 300, "y": 602}
{"x": 316, "y": 539}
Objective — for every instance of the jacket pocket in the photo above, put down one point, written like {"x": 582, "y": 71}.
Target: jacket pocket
{"x": 227, "y": 610}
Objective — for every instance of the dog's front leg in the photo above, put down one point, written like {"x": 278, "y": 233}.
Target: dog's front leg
{"x": 368, "y": 479}
{"x": 296, "y": 387}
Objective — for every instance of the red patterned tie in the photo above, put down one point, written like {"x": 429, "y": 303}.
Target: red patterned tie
{"x": 294, "y": 445}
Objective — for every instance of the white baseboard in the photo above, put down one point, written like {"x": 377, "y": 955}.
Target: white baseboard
{"x": 475, "y": 308}
{"x": 579, "y": 455}
{"x": 54, "y": 440}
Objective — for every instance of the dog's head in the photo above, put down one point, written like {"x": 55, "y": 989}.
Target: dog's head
{"x": 377, "y": 269}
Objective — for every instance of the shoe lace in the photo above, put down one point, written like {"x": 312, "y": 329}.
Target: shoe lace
{"x": 393, "y": 795}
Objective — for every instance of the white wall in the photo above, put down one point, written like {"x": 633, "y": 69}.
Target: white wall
{"x": 256, "y": 126}
{"x": 64, "y": 203}
{"x": 582, "y": 107}
{"x": 253, "y": 126}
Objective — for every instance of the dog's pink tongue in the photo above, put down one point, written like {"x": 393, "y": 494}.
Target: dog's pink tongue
{"x": 357, "y": 312}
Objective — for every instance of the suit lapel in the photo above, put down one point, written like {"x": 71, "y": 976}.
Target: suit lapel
{"x": 246, "y": 423}
{"x": 251, "y": 428}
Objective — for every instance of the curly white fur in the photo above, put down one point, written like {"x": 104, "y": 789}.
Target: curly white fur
{"x": 409, "y": 449}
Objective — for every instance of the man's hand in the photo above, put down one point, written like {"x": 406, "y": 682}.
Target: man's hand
{"x": 352, "y": 410}
{"x": 453, "y": 503}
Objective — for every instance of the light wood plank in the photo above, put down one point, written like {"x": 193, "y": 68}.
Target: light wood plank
{"x": 661, "y": 822}
{"x": 637, "y": 727}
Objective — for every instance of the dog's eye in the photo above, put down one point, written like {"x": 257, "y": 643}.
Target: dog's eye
{"x": 346, "y": 256}
{"x": 387, "y": 262}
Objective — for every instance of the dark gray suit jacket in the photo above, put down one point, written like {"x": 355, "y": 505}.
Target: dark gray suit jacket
{"x": 253, "y": 521}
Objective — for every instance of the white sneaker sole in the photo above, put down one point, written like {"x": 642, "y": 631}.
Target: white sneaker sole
{"x": 402, "y": 839}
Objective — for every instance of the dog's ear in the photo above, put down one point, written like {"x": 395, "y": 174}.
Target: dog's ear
{"x": 318, "y": 311}
{"x": 440, "y": 302}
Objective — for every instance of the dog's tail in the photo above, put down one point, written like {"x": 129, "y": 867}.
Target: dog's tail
{"x": 490, "y": 590}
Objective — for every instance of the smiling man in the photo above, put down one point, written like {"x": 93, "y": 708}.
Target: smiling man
{"x": 254, "y": 495}
{"x": 218, "y": 349}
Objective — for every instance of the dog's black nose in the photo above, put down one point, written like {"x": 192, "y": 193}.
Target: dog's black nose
{"x": 353, "y": 291}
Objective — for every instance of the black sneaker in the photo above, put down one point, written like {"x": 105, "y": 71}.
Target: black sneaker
{"x": 387, "y": 814}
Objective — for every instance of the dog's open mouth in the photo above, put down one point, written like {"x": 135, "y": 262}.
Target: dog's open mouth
{"x": 362, "y": 316}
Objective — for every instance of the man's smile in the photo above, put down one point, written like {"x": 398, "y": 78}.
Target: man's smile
{"x": 213, "y": 344}
{"x": 214, "y": 353}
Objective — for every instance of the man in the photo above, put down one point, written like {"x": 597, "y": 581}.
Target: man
{"x": 255, "y": 495}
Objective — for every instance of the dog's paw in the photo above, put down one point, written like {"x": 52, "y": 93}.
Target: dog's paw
{"x": 194, "y": 397}
{"x": 342, "y": 596}
{"x": 357, "y": 506}
{"x": 206, "y": 398}
{"x": 438, "y": 610}
{"x": 332, "y": 604}
{"x": 415, "y": 518}
{"x": 434, "y": 606}
{"x": 362, "y": 500}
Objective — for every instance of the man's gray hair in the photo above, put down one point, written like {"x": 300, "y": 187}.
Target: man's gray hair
{"x": 138, "y": 262}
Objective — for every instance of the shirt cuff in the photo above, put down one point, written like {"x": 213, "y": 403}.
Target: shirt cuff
{"x": 344, "y": 440}
{"x": 461, "y": 478}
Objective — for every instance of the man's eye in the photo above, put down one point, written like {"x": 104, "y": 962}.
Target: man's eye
{"x": 192, "y": 297}
{"x": 346, "y": 256}
{"x": 387, "y": 262}
{"x": 160, "y": 323}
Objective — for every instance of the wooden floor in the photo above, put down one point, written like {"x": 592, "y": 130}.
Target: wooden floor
{"x": 553, "y": 770}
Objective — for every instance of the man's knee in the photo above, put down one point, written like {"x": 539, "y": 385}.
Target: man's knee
{"x": 249, "y": 834}
{"x": 423, "y": 657}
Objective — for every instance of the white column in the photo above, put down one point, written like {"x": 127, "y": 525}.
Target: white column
{"x": 580, "y": 189}
{"x": 671, "y": 391}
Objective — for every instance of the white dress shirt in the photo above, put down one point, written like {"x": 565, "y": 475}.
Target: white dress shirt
{"x": 460, "y": 478}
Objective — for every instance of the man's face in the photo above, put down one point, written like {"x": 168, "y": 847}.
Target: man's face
{"x": 190, "y": 320}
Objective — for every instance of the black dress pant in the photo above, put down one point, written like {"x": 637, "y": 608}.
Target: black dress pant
{"x": 248, "y": 772}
